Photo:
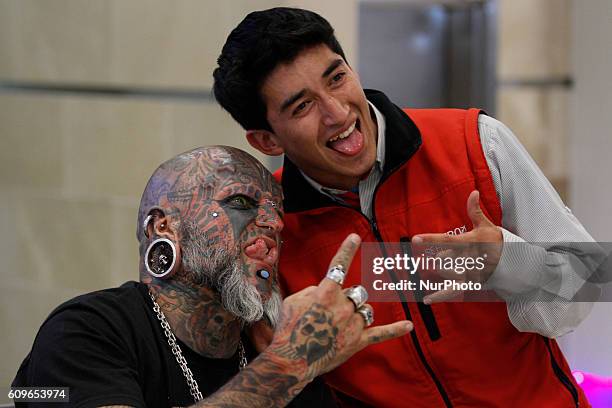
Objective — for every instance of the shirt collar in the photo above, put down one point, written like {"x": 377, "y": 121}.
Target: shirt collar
{"x": 380, "y": 155}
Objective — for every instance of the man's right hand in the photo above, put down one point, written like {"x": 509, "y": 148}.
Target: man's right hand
{"x": 320, "y": 328}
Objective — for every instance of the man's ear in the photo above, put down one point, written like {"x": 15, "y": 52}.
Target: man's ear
{"x": 164, "y": 228}
{"x": 161, "y": 225}
{"x": 264, "y": 141}
{"x": 162, "y": 258}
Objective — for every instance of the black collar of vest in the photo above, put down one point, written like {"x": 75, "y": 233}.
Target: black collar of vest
{"x": 402, "y": 140}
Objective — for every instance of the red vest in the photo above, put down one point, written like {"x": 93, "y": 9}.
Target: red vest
{"x": 459, "y": 354}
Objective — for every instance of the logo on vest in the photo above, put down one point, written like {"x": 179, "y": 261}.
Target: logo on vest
{"x": 457, "y": 231}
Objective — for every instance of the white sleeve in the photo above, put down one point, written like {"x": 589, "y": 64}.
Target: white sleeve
{"x": 538, "y": 282}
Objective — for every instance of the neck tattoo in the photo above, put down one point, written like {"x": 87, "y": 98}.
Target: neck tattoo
{"x": 178, "y": 354}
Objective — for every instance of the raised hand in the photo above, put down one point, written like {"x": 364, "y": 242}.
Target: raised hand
{"x": 484, "y": 238}
{"x": 321, "y": 327}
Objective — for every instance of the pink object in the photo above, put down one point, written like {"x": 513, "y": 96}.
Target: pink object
{"x": 598, "y": 389}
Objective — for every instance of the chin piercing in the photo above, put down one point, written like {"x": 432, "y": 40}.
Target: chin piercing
{"x": 263, "y": 274}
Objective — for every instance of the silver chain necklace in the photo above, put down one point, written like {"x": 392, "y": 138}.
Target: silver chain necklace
{"x": 178, "y": 354}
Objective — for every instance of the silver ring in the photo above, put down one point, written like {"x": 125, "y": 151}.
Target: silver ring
{"x": 145, "y": 225}
{"x": 358, "y": 295}
{"x": 337, "y": 274}
{"x": 367, "y": 313}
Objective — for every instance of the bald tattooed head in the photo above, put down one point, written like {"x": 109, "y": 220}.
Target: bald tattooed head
{"x": 227, "y": 211}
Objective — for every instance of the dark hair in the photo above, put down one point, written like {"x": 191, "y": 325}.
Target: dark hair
{"x": 254, "y": 48}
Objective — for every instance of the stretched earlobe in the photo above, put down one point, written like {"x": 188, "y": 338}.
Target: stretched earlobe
{"x": 264, "y": 141}
{"x": 162, "y": 258}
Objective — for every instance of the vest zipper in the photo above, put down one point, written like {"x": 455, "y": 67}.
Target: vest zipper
{"x": 567, "y": 383}
{"x": 426, "y": 312}
{"x": 404, "y": 303}
{"x": 403, "y": 300}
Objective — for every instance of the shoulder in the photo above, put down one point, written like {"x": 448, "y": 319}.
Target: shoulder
{"x": 92, "y": 344}
{"x": 113, "y": 306}
{"x": 126, "y": 296}
{"x": 111, "y": 311}
{"x": 107, "y": 318}
{"x": 496, "y": 131}
{"x": 445, "y": 125}
{"x": 442, "y": 116}
{"x": 498, "y": 139}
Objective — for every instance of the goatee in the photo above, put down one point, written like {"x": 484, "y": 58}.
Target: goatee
{"x": 209, "y": 264}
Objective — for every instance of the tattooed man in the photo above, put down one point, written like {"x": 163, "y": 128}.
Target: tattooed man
{"x": 208, "y": 227}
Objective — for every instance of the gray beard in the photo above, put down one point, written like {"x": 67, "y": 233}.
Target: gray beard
{"x": 218, "y": 269}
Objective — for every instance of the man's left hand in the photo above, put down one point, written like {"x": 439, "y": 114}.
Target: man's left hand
{"x": 484, "y": 238}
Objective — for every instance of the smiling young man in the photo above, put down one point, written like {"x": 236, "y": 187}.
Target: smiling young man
{"x": 355, "y": 162}
{"x": 324, "y": 121}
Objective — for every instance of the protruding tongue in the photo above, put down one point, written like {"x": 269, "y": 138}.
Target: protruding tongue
{"x": 350, "y": 145}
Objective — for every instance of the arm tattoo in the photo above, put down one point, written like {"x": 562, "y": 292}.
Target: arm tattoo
{"x": 265, "y": 382}
{"x": 312, "y": 339}
{"x": 261, "y": 384}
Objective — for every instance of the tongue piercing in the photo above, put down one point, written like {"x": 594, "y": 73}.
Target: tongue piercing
{"x": 263, "y": 274}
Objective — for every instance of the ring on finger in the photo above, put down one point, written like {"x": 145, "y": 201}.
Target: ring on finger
{"x": 367, "y": 313}
{"x": 337, "y": 274}
{"x": 358, "y": 295}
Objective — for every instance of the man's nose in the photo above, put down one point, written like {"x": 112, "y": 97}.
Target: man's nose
{"x": 269, "y": 218}
{"x": 333, "y": 110}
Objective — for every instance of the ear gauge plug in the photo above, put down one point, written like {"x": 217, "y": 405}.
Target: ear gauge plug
{"x": 263, "y": 274}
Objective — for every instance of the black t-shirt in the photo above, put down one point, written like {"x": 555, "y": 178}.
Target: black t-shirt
{"x": 109, "y": 348}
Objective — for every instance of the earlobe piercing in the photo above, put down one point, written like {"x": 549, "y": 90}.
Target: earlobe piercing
{"x": 161, "y": 258}
{"x": 145, "y": 225}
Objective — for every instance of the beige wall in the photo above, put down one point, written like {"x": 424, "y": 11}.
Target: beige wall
{"x": 589, "y": 347}
{"x": 72, "y": 167}
{"x": 566, "y": 129}
{"x": 533, "y": 57}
